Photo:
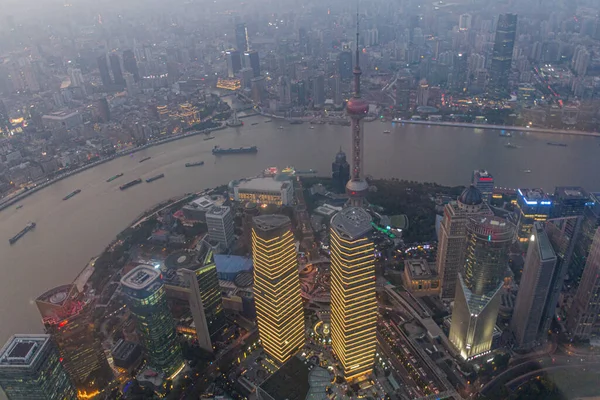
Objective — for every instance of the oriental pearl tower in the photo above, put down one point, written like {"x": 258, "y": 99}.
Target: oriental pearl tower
{"x": 357, "y": 109}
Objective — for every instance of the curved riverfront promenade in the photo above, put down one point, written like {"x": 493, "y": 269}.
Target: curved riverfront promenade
{"x": 4, "y": 203}
{"x": 7, "y": 202}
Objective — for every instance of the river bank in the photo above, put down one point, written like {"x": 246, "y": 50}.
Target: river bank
{"x": 499, "y": 127}
{"x": 68, "y": 233}
{"x": 13, "y": 200}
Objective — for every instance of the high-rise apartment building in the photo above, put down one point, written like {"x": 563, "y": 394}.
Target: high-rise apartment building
{"x": 279, "y": 311}
{"x": 532, "y": 205}
{"x": 30, "y": 369}
{"x": 345, "y": 65}
{"x": 241, "y": 37}
{"x": 477, "y": 298}
{"x": 319, "y": 90}
{"x": 68, "y": 317}
{"x": 534, "y": 289}
{"x": 219, "y": 220}
{"x": 484, "y": 181}
{"x": 104, "y": 70}
{"x": 130, "y": 64}
{"x": 464, "y": 22}
{"x": 452, "y": 240}
{"x": 147, "y": 301}
{"x": 353, "y": 298}
{"x": 102, "y": 110}
{"x": 303, "y": 41}
{"x": 76, "y": 77}
{"x": 504, "y": 44}
{"x": 403, "y": 93}
{"x": 252, "y": 61}
{"x": 117, "y": 70}
{"x": 234, "y": 62}
{"x": 582, "y": 318}
{"x": 5, "y": 124}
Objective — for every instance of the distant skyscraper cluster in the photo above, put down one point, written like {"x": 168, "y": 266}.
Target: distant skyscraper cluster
{"x": 562, "y": 233}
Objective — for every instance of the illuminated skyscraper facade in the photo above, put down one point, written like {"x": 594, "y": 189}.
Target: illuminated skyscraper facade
{"x": 30, "y": 369}
{"x": 477, "y": 290}
{"x": 279, "y": 311}
{"x": 534, "y": 289}
{"x": 67, "y": 317}
{"x": 147, "y": 300}
{"x": 353, "y": 297}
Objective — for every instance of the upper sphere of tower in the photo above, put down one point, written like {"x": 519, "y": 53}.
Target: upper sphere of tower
{"x": 357, "y": 106}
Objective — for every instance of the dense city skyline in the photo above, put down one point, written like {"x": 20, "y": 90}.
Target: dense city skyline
{"x": 286, "y": 281}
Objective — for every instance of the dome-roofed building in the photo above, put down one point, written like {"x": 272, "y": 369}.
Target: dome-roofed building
{"x": 470, "y": 200}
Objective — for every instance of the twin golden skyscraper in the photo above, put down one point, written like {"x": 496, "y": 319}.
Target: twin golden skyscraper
{"x": 279, "y": 311}
{"x": 353, "y": 297}
{"x": 353, "y": 300}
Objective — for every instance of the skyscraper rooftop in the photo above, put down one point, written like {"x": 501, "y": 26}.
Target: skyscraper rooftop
{"x": 141, "y": 277}
{"x": 22, "y": 350}
{"x": 267, "y": 223}
{"x": 352, "y": 222}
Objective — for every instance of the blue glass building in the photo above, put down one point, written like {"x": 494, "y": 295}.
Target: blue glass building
{"x": 147, "y": 300}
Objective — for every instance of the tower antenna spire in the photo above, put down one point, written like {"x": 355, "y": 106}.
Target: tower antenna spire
{"x": 357, "y": 71}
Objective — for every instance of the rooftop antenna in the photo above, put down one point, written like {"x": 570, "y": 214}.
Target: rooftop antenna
{"x": 357, "y": 71}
